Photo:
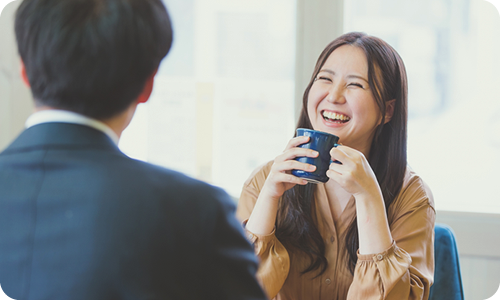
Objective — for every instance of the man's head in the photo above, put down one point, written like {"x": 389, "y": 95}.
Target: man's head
{"x": 92, "y": 57}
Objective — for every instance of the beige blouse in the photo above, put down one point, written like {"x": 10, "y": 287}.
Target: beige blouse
{"x": 404, "y": 271}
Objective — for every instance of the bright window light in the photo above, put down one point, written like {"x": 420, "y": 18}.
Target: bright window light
{"x": 223, "y": 98}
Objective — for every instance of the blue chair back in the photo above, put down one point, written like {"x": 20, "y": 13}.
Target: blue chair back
{"x": 447, "y": 277}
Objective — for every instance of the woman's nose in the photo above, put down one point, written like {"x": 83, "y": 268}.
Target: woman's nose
{"x": 335, "y": 95}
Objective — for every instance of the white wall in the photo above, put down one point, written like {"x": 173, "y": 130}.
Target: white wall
{"x": 15, "y": 97}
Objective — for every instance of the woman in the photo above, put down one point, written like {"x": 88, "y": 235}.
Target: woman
{"x": 368, "y": 232}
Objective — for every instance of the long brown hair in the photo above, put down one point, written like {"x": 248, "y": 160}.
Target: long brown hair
{"x": 295, "y": 223}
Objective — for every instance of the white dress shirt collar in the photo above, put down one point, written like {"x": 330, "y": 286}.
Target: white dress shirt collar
{"x": 64, "y": 116}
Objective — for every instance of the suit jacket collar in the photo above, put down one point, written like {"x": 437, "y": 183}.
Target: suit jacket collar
{"x": 61, "y": 135}
{"x": 64, "y": 116}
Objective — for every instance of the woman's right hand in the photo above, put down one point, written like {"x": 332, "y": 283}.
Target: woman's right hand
{"x": 280, "y": 178}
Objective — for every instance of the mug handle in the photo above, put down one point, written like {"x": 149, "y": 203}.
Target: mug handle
{"x": 335, "y": 161}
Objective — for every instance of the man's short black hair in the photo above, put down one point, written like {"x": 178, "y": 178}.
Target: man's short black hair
{"x": 92, "y": 57}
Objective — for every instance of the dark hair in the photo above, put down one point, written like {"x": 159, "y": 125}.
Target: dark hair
{"x": 92, "y": 57}
{"x": 295, "y": 226}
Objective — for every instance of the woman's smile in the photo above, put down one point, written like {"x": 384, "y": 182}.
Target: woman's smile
{"x": 334, "y": 118}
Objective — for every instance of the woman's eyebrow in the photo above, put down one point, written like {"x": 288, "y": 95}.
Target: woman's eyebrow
{"x": 348, "y": 76}
{"x": 358, "y": 77}
{"x": 327, "y": 71}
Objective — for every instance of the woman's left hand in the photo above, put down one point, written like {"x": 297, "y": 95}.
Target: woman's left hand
{"x": 354, "y": 174}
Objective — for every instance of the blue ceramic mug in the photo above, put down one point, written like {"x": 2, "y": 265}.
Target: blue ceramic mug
{"x": 322, "y": 142}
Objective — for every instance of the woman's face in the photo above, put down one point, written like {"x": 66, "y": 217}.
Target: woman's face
{"x": 341, "y": 102}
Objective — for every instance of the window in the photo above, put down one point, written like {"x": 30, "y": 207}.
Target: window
{"x": 450, "y": 49}
{"x": 223, "y": 98}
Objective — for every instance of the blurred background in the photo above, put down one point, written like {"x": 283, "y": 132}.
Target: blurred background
{"x": 226, "y": 98}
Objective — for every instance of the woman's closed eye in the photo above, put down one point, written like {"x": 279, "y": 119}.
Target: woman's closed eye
{"x": 355, "y": 84}
{"x": 324, "y": 78}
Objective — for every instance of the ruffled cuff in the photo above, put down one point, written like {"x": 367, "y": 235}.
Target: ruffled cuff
{"x": 260, "y": 242}
{"x": 381, "y": 271}
{"x": 274, "y": 262}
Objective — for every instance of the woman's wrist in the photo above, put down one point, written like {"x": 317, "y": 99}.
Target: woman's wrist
{"x": 269, "y": 197}
{"x": 370, "y": 193}
{"x": 267, "y": 194}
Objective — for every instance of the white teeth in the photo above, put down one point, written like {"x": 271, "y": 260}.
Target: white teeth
{"x": 335, "y": 116}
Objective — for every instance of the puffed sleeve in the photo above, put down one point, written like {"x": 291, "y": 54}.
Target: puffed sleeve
{"x": 274, "y": 260}
{"x": 406, "y": 269}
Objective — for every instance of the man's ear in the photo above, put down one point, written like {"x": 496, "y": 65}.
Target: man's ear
{"x": 389, "y": 110}
{"x": 24, "y": 76}
{"x": 148, "y": 89}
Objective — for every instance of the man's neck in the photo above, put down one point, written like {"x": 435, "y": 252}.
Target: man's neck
{"x": 117, "y": 123}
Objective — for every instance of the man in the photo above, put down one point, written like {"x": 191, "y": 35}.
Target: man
{"x": 78, "y": 218}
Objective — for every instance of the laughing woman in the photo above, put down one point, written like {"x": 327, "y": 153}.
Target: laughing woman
{"x": 368, "y": 232}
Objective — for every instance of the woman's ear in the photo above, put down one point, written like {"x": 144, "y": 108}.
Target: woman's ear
{"x": 389, "y": 110}
{"x": 24, "y": 76}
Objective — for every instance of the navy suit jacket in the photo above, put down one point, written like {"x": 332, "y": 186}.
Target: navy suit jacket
{"x": 81, "y": 220}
